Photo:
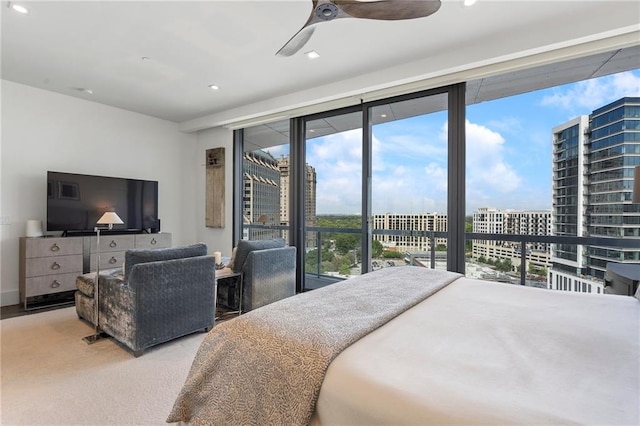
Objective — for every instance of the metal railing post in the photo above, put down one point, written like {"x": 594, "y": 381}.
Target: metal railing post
{"x": 523, "y": 262}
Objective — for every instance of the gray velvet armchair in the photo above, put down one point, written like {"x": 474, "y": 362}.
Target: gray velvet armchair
{"x": 163, "y": 294}
{"x": 268, "y": 269}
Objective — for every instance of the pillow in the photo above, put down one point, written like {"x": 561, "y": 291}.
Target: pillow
{"x": 245, "y": 247}
{"x": 233, "y": 258}
{"x": 135, "y": 256}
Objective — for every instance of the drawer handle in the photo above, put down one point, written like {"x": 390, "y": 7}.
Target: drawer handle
{"x": 153, "y": 242}
{"x": 112, "y": 244}
{"x": 112, "y": 260}
{"x": 55, "y": 266}
{"x": 55, "y": 284}
{"x": 55, "y": 247}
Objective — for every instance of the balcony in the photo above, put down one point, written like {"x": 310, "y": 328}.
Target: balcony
{"x": 331, "y": 263}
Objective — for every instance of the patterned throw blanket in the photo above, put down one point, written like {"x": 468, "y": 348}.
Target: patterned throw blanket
{"x": 267, "y": 366}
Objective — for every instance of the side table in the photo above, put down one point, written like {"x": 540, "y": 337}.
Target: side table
{"x": 229, "y": 279}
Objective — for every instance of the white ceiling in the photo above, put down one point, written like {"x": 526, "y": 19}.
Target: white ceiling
{"x": 99, "y": 45}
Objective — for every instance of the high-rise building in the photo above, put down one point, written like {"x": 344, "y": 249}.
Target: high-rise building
{"x": 593, "y": 169}
{"x": 261, "y": 194}
{"x": 411, "y": 239}
{"x": 309, "y": 200}
{"x": 519, "y": 222}
{"x": 265, "y": 197}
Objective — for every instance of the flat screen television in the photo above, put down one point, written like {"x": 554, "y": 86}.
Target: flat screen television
{"x": 75, "y": 202}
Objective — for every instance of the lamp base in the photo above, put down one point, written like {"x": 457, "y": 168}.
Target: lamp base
{"x": 95, "y": 337}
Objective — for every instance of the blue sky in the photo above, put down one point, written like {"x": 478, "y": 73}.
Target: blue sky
{"x": 508, "y": 153}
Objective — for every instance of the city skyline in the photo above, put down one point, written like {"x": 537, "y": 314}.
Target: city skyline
{"x": 509, "y": 144}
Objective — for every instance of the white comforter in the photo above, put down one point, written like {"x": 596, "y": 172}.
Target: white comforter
{"x": 482, "y": 352}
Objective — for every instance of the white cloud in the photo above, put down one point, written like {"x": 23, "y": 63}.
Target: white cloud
{"x": 337, "y": 160}
{"x": 409, "y": 178}
{"x": 487, "y": 169}
{"x": 436, "y": 176}
{"x": 591, "y": 94}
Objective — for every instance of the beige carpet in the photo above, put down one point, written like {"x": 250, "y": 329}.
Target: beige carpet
{"x": 51, "y": 377}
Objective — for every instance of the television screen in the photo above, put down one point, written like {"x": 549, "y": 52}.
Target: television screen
{"x": 75, "y": 202}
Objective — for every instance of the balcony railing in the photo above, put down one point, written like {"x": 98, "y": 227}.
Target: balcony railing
{"x": 518, "y": 240}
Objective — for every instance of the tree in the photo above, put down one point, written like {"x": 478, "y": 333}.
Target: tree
{"x": 441, "y": 247}
{"x": 504, "y": 265}
{"x": 536, "y": 270}
{"x": 388, "y": 254}
{"x": 311, "y": 261}
{"x": 376, "y": 248}
{"x": 346, "y": 242}
{"x": 345, "y": 265}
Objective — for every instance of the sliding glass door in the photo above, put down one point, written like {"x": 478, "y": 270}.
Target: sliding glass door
{"x": 333, "y": 198}
{"x": 409, "y": 182}
{"x": 377, "y": 187}
{"x": 361, "y": 188}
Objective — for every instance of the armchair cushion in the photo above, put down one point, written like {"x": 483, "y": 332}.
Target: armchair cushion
{"x": 86, "y": 282}
{"x": 245, "y": 247}
{"x": 136, "y": 256}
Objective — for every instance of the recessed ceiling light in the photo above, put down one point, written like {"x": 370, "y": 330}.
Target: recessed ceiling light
{"x": 312, "y": 54}
{"x": 18, "y": 8}
{"x": 469, "y": 2}
{"x": 214, "y": 87}
{"x": 383, "y": 115}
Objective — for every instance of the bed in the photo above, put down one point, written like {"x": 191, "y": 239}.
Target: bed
{"x": 410, "y": 345}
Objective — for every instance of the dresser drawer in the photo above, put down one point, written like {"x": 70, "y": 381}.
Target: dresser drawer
{"x": 39, "y": 266}
{"x": 44, "y": 247}
{"x": 109, "y": 260}
{"x": 150, "y": 241}
{"x": 51, "y": 284}
{"x": 112, "y": 243}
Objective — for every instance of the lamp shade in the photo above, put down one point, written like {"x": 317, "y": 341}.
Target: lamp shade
{"x": 109, "y": 218}
{"x": 636, "y": 185}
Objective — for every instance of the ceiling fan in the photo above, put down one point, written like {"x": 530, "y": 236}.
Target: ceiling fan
{"x": 328, "y": 10}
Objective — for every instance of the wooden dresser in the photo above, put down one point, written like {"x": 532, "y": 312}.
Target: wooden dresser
{"x": 49, "y": 266}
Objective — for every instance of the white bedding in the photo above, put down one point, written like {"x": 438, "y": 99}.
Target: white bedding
{"x": 483, "y": 352}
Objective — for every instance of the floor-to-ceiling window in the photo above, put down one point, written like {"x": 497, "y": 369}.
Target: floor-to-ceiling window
{"x": 333, "y": 197}
{"x": 264, "y": 182}
{"x": 399, "y": 181}
{"x": 544, "y": 174}
{"x": 409, "y": 182}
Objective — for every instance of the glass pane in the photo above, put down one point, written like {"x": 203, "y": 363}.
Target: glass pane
{"x": 554, "y": 163}
{"x": 409, "y": 183}
{"x": 265, "y": 208}
{"x": 334, "y": 200}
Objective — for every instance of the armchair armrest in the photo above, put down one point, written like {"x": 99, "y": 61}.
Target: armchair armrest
{"x": 269, "y": 275}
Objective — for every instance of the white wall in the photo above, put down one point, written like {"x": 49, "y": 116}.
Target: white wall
{"x": 43, "y": 131}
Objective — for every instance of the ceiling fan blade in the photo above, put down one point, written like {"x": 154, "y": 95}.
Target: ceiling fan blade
{"x": 322, "y": 11}
{"x": 296, "y": 42}
{"x": 390, "y": 10}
